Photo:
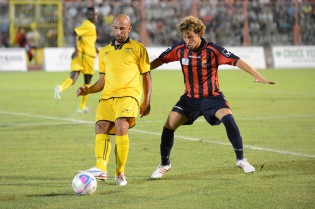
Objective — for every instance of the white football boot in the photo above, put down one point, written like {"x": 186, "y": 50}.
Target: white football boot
{"x": 160, "y": 170}
{"x": 120, "y": 180}
{"x": 57, "y": 93}
{"x": 97, "y": 173}
{"x": 244, "y": 164}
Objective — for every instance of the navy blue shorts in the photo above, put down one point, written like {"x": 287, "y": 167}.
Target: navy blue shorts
{"x": 193, "y": 108}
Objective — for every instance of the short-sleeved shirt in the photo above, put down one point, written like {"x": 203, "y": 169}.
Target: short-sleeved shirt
{"x": 86, "y": 33}
{"x": 123, "y": 66}
{"x": 200, "y": 67}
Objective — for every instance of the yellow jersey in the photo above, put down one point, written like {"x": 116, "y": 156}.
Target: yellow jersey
{"x": 123, "y": 66}
{"x": 86, "y": 33}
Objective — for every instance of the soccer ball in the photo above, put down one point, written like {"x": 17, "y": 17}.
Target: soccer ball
{"x": 84, "y": 183}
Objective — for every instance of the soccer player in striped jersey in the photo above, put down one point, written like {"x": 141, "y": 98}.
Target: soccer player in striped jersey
{"x": 83, "y": 57}
{"x": 199, "y": 61}
{"x": 124, "y": 70}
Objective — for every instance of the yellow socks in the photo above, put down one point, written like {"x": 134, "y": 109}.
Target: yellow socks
{"x": 121, "y": 149}
{"x": 83, "y": 100}
{"x": 68, "y": 82}
{"x": 102, "y": 151}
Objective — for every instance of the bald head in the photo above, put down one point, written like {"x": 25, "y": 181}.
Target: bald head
{"x": 121, "y": 28}
{"x": 122, "y": 18}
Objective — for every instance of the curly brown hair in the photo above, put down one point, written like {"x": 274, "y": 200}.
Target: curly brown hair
{"x": 191, "y": 23}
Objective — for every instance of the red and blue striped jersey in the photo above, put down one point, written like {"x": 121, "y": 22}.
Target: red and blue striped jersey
{"x": 200, "y": 67}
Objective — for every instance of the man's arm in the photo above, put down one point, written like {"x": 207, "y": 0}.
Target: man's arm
{"x": 96, "y": 87}
{"x": 147, "y": 90}
{"x": 249, "y": 69}
{"x": 156, "y": 63}
{"x": 75, "y": 53}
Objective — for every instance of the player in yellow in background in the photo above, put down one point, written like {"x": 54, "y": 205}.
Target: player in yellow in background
{"x": 83, "y": 57}
{"x": 124, "y": 71}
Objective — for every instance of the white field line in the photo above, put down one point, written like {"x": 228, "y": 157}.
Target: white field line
{"x": 271, "y": 92}
{"x": 74, "y": 121}
{"x": 228, "y": 144}
{"x": 247, "y": 118}
{"x": 38, "y": 124}
{"x": 47, "y": 117}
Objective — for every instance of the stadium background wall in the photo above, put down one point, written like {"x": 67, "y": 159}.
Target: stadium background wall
{"x": 263, "y": 23}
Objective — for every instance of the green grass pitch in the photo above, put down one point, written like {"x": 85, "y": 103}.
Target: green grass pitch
{"x": 43, "y": 144}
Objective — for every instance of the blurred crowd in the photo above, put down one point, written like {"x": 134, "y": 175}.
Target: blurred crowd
{"x": 270, "y": 22}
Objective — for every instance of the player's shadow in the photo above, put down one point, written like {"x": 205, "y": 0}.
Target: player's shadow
{"x": 50, "y": 195}
{"x": 35, "y": 182}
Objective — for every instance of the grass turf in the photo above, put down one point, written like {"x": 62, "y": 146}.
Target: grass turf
{"x": 44, "y": 143}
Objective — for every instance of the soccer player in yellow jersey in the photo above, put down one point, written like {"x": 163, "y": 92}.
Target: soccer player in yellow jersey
{"x": 124, "y": 71}
{"x": 82, "y": 58}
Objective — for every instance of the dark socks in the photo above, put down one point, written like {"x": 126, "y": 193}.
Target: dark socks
{"x": 234, "y": 135}
{"x": 167, "y": 141}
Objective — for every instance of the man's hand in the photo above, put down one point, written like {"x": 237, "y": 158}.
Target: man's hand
{"x": 144, "y": 109}
{"x": 264, "y": 81}
{"x": 82, "y": 91}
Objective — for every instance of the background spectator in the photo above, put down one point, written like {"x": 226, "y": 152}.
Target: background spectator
{"x": 270, "y": 22}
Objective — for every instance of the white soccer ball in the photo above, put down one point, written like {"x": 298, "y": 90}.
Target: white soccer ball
{"x": 84, "y": 183}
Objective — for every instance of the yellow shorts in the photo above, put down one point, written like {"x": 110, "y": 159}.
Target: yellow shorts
{"x": 83, "y": 63}
{"x": 113, "y": 108}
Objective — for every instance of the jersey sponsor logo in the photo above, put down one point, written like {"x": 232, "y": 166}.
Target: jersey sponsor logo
{"x": 204, "y": 63}
{"x": 126, "y": 111}
{"x": 185, "y": 61}
{"x": 128, "y": 50}
{"x": 106, "y": 53}
{"x": 226, "y": 53}
{"x": 191, "y": 56}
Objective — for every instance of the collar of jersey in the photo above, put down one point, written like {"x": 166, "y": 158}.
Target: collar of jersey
{"x": 120, "y": 45}
{"x": 202, "y": 45}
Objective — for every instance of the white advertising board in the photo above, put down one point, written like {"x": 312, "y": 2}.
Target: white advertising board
{"x": 255, "y": 56}
{"x": 13, "y": 59}
{"x": 293, "y": 56}
{"x": 59, "y": 59}
{"x": 155, "y": 52}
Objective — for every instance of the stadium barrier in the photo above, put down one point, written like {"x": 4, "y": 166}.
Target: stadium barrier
{"x": 255, "y": 56}
{"x": 13, "y": 59}
{"x": 58, "y": 59}
{"x": 154, "y": 52}
{"x": 293, "y": 57}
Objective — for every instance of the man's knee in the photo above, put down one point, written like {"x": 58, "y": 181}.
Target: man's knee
{"x": 122, "y": 126}
{"x": 103, "y": 127}
{"x": 87, "y": 78}
{"x": 74, "y": 76}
